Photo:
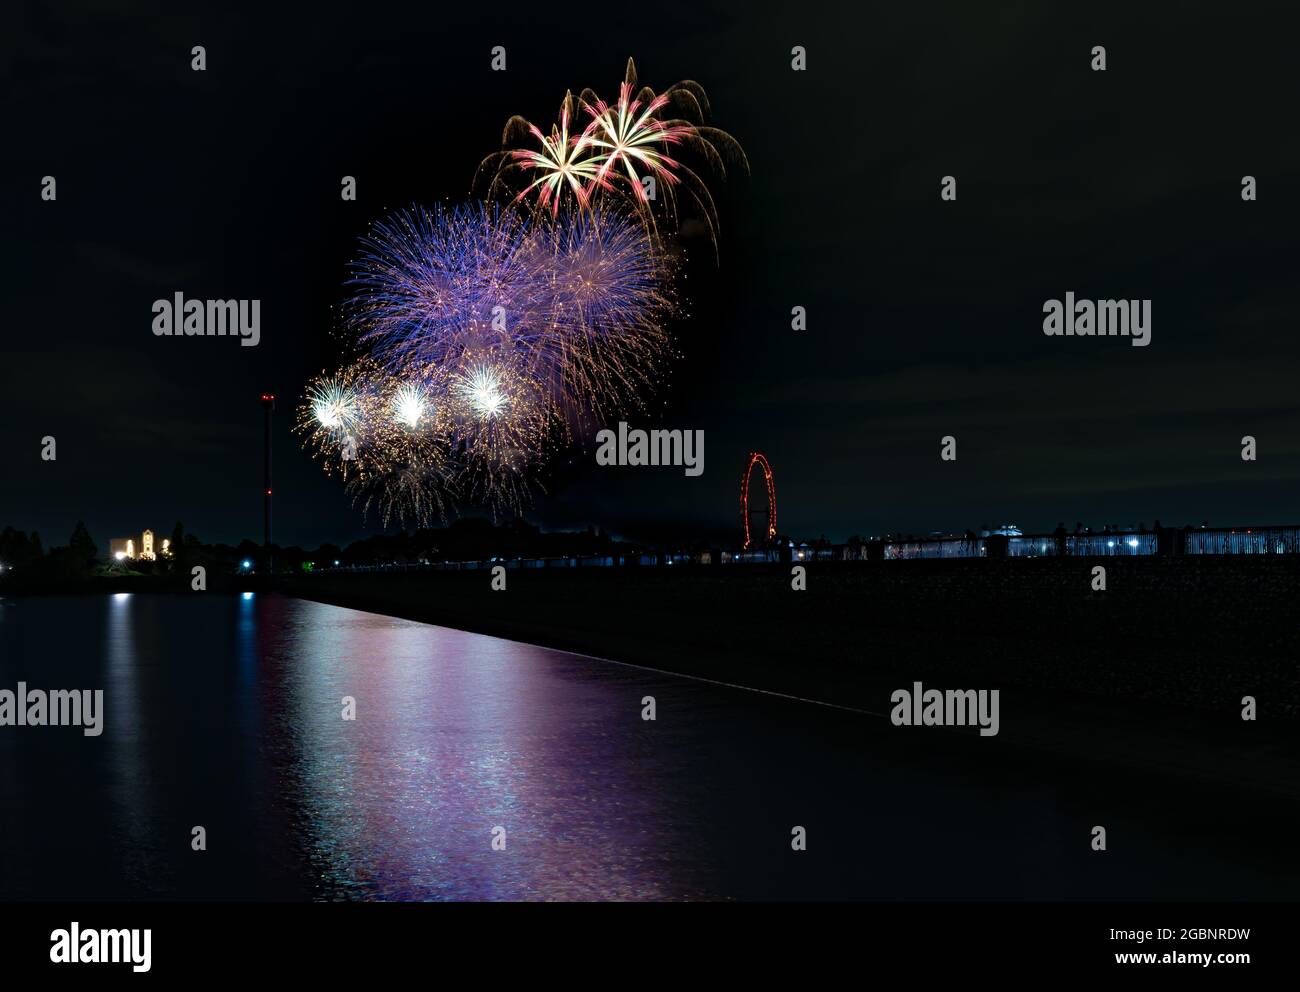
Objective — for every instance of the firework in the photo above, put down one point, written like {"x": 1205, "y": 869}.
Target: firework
{"x": 489, "y": 339}
{"x": 409, "y": 404}
{"x": 625, "y": 138}
{"x": 432, "y": 284}
{"x": 564, "y": 163}
{"x": 505, "y": 426}
{"x": 482, "y": 391}
{"x": 333, "y": 405}
{"x": 386, "y": 436}
{"x": 334, "y": 417}
{"x": 623, "y": 146}
{"x": 492, "y": 331}
{"x": 574, "y": 304}
{"x": 608, "y": 301}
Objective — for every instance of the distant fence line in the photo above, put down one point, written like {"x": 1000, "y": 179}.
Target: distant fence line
{"x": 1027, "y": 546}
{"x": 1165, "y": 541}
{"x": 1283, "y": 540}
{"x": 1251, "y": 541}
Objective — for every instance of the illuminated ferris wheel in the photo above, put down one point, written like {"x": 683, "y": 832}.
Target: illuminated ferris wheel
{"x": 747, "y": 512}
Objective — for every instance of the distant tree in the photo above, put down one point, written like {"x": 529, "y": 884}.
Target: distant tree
{"x": 178, "y": 537}
{"x": 249, "y": 551}
{"x": 13, "y": 545}
{"x": 82, "y": 546}
{"x": 37, "y": 550}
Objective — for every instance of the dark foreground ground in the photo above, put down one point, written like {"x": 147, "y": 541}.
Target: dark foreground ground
{"x": 1150, "y": 673}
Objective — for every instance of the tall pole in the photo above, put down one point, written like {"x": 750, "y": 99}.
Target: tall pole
{"x": 268, "y": 407}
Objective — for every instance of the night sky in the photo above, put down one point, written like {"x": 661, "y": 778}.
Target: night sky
{"x": 925, "y": 317}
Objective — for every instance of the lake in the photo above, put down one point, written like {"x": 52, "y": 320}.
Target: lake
{"x": 226, "y": 712}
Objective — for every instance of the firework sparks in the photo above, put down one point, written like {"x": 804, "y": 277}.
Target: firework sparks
{"x": 481, "y": 389}
{"x": 563, "y": 163}
{"x": 575, "y": 304}
{"x": 333, "y": 405}
{"x": 490, "y": 333}
{"x": 623, "y": 151}
{"x": 408, "y": 404}
{"x": 628, "y": 136}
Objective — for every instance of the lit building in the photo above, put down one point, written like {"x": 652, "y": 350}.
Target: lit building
{"x": 125, "y": 548}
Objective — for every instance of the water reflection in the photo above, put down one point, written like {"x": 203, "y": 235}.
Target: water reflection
{"x": 227, "y": 712}
{"x": 456, "y": 734}
{"x": 132, "y": 799}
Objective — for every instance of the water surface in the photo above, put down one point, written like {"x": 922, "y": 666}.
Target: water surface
{"x": 226, "y": 712}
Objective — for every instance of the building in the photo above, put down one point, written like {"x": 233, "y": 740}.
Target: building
{"x": 138, "y": 548}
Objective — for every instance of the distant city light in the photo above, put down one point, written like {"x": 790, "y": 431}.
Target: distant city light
{"x": 247, "y": 564}
{"x": 248, "y": 595}
{"x": 120, "y": 556}
{"x": 1132, "y": 542}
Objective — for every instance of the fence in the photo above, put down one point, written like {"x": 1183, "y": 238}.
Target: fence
{"x": 1279, "y": 540}
{"x": 961, "y": 548}
{"x": 1251, "y": 541}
